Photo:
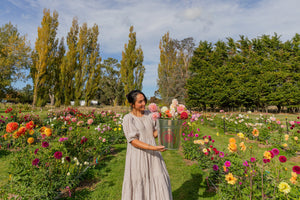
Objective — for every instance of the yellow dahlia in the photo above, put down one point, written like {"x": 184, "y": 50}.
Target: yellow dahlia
{"x": 230, "y": 179}
{"x": 284, "y": 187}
{"x": 30, "y": 140}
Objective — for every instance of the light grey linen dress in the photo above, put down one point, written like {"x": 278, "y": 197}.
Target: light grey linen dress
{"x": 146, "y": 176}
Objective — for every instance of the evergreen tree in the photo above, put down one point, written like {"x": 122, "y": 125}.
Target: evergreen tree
{"x": 253, "y": 74}
{"x": 112, "y": 91}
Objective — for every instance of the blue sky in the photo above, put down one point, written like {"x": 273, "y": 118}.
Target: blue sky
{"x": 209, "y": 20}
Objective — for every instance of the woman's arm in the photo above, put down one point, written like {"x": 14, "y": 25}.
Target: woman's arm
{"x": 142, "y": 145}
{"x": 155, "y": 134}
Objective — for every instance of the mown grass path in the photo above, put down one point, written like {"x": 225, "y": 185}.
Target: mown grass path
{"x": 187, "y": 179}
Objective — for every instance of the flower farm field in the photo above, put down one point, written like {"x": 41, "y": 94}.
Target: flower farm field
{"x": 71, "y": 153}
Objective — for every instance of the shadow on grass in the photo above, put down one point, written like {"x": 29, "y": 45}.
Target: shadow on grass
{"x": 190, "y": 189}
{"x": 4, "y": 153}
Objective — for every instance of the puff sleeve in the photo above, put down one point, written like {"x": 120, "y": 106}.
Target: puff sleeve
{"x": 130, "y": 131}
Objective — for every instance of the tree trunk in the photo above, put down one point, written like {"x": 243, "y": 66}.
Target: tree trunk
{"x": 35, "y": 90}
{"x": 279, "y": 108}
{"x": 52, "y": 99}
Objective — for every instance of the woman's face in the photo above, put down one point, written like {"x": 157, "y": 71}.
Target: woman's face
{"x": 140, "y": 103}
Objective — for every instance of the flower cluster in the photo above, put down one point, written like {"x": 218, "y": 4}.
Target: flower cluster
{"x": 175, "y": 111}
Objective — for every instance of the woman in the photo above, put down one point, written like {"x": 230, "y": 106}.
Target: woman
{"x": 146, "y": 176}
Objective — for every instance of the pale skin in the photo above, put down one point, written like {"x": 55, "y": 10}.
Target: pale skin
{"x": 138, "y": 109}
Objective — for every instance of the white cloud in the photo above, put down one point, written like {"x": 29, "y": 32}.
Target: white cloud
{"x": 204, "y": 20}
{"x": 192, "y": 13}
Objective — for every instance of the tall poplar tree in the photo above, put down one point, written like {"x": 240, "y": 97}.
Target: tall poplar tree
{"x": 44, "y": 45}
{"x": 132, "y": 69}
{"x": 70, "y": 62}
{"x": 81, "y": 67}
{"x": 93, "y": 70}
{"x": 167, "y": 63}
{"x": 58, "y": 86}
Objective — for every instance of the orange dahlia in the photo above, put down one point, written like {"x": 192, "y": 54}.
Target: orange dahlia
{"x": 48, "y": 131}
{"x": 12, "y": 126}
{"x": 232, "y": 141}
{"x": 255, "y": 132}
{"x": 31, "y": 132}
{"x": 16, "y": 135}
{"x": 22, "y": 130}
{"x": 232, "y": 147}
{"x": 42, "y": 130}
{"x": 30, "y": 140}
{"x": 243, "y": 147}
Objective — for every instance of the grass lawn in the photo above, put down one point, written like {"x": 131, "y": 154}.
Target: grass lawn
{"x": 4, "y": 167}
{"x": 187, "y": 179}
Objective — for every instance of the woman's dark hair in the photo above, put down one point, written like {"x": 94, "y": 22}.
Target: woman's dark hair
{"x": 131, "y": 96}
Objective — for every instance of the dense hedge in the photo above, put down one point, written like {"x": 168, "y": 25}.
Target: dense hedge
{"x": 247, "y": 73}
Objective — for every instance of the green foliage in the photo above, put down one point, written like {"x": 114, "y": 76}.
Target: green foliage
{"x": 36, "y": 172}
{"x": 44, "y": 57}
{"x": 251, "y": 178}
{"x": 132, "y": 68}
{"x": 14, "y": 56}
{"x": 172, "y": 70}
{"x": 246, "y": 73}
{"x": 111, "y": 90}
{"x": 70, "y": 62}
{"x": 94, "y": 68}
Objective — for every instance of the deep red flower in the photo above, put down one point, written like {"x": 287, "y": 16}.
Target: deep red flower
{"x": 68, "y": 159}
{"x": 30, "y": 125}
{"x": 45, "y": 144}
{"x": 272, "y": 154}
{"x": 282, "y": 159}
{"x": 296, "y": 169}
{"x": 83, "y": 140}
{"x": 35, "y": 162}
{"x": 57, "y": 155}
{"x": 35, "y": 152}
{"x": 184, "y": 115}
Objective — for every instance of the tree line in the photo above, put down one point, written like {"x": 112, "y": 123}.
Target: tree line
{"x": 253, "y": 74}
{"x": 72, "y": 72}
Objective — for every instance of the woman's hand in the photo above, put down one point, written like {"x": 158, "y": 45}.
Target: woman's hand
{"x": 159, "y": 148}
